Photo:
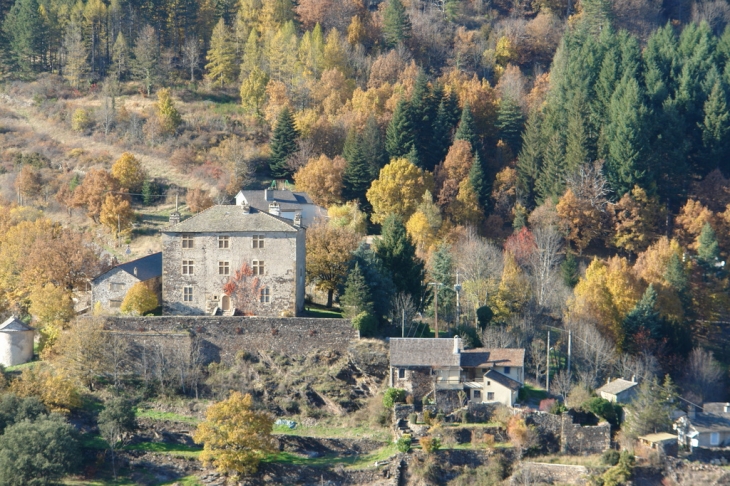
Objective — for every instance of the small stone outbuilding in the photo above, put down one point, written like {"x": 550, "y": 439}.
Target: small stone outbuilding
{"x": 618, "y": 391}
{"x": 16, "y": 342}
{"x": 109, "y": 289}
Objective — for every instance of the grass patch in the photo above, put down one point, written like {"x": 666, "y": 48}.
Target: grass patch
{"x": 531, "y": 393}
{"x": 24, "y": 366}
{"x": 91, "y": 441}
{"x": 124, "y": 481}
{"x": 179, "y": 450}
{"x": 169, "y": 416}
{"x": 352, "y": 462}
{"x": 588, "y": 461}
{"x": 320, "y": 311}
{"x": 335, "y": 432}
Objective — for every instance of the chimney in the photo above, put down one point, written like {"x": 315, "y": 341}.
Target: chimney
{"x": 298, "y": 219}
{"x": 727, "y": 408}
{"x": 174, "y": 217}
{"x": 691, "y": 414}
{"x": 246, "y": 208}
{"x": 457, "y": 345}
{"x": 274, "y": 209}
{"x": 135, "y": 271}
{"x": 633, "y": 378}
{"x": 268, "y": 195}
{"x": 608, "y": 380}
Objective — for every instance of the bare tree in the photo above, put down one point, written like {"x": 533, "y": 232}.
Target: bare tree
{"x": 403, "y": 310}
{"x": 641, "y": 367}
{"x": 594, "y": 354}
{"x": 107, "y": 114}
{"x": 305, "y": 151}
{"x": 562, "y": 383}
{"x": 191, "y": 55}
{"x": 703, "y": 377}
{"x": 497, "y": 337}
{"x": 588, "y": 183}
{"x": 538, "y": 357}
{"x": 480, "y": 262}
{"x": 544, "y": 263}
{"x": 116, "y": 350}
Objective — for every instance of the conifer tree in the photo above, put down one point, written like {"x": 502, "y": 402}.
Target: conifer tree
{"x": 479, "y": 182}
{"x": 576, "y": 143}
{"x": 569, "y": 270}
{"x": 77, "y": 64}
{"x": 373, "y": 147}
{"x": 510, "y": 123}
{"x": 643, "y": 316}
{"x": 442, "y": 269}
{"x": 168, "y": 115}
{"x": 120, "y": 56}
{"x": 597, "y": 15}
{"x": 708, "y": 249}
{"x": 283, "y": 144}
{"x": 675, "y": 274}
{"x": 466, "y": 130}
{"x": 357, "y": 297}
{"x": 551, "y": 182}
{"x": 451, "y": 103}
{"x": 253, "y": 91}
{"x": 221, "y": 56}
{"x": 716, "y": 131}
{"x": 529, "y": 162}
{"x": 24, "y": 28}
{"x": 358, "y": 174}
{"x": 423, "y": 114}
{"x": 396, "y": 23}
{"x": 442, "y": 133}
{"x": 251, "y": 56}
{"x": 398, "y": 254}
{"x": 146, "y": 66}
{"x": 400, "y": 137}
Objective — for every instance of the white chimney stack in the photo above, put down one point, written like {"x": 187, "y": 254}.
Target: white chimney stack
{"x": 135, "y": 271}
{"x": 268, "y": 195}
{"x": 274, "y": 209}
{"x": 246, "y": 208}
{"x": 457, "y": 345}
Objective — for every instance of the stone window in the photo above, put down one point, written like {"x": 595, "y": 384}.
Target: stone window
{"x": 115, "y": 303}
{"x": 188, "y": 267}
{"x": 258, "y": 267}
{"x": 224, "y": 268}
{"x": 507, "y": 369}
{"x": 401, "y": 373}
{"x": 187, "y": 294}
{"x": 265, "y": 296}
{"x": 258, "y": 241}
{"x": 224, "y": 243}
{"x": 187, "y": 241}
{"x": 490, "y": 396}
{"x": 117, "y": 286}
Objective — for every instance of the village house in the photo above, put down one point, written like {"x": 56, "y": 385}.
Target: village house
{"x": 426, "y": 366}
{"x": 109, "y": 289}
{"x": 618, "y": 390}
{"x": 285, "y": 204}
{"x": 704, "y": 429}
{"x": 202, "y": 253}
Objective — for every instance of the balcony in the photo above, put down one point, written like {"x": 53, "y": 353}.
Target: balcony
{"x": 454, "y": 383}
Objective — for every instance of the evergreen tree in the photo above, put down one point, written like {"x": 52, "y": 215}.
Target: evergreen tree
{"x": 643, "y": 316}
{"x": 466, "y": 130}
{"x": 77, "y": 64}
{"x": 373, "y": 147}
{"x": 396, "y": 23}
{"x": 510, "y": 123}
{"x": 442, "y": 269}
{"x": 451, "y": 104}
{"x": 414, "y": 157}
{"x": 377, "y": 277}
{"x": 400, "y": 136}
{"x": 120, "y": 56}
{"x": 358, "y": 172}
{"x": 716, "y": 132}
{"x": 221, "y": 56}
{"x": 675, "y": 274}
{"x": 283, "y": 144}
{"x": 569, "y": 270}
{"x": 479, "y": 182}
{"x": 650, "y": 411}
{"x": 529, "y": 162}
{"x": 708, "y": 250}
{"x": 597, "y": 15}
{"x": 551, "y": 182}
{"x": 442, "y": 133}
{"x": 576, "y": 144}
{"x": 423, "y": 116}
{"x": 357, "y": 297}
{"x": 24, "y": 28}
{"x": 398, "y": 254}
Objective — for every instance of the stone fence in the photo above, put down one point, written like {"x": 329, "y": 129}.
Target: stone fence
{"x": 543, "y": 473}
{"x": 572, "y": 438}
{"x": 220, "y": 339}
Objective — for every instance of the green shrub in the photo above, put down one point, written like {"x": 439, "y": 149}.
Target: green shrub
{"x": 413, "y": 418}
{"x": 404, "y": 444}
{"x": 393, "y": 396}
{"x": 603, "y": 408}
{"x": 366, "y": 323}
{"x": 440, "y": 417}
{"x": 610, "y": 457}
{"x": 430, "y": 444}
{"x": 620, "y": 473}
{"x": 80, "y": 121}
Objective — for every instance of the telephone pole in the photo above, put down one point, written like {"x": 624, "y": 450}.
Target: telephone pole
{"x": 547, "y": 373}
{"x": 437, "y": 285}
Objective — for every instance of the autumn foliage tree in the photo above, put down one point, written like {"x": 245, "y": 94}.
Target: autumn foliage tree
{"x": 168, "y": 116}
{"x": 140, "y": 300}
{"x": 243, "y": 288}
{"x": 128, "y": 172}
{"x": 92, "y": 192}
{"x": 198, "y": 199}
{"x": 116, "y": 213}
{"x": 329, "y": 252}
{"x": 235, "y": 437}
{"x": 398, "y": 190}
{"x": 321, "y": 178}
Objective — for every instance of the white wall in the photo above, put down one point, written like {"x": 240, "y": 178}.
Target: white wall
{"x": 16, "y": 347}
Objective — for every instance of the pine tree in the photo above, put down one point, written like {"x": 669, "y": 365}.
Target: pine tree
{"x": 510, "y": 123}
{"x": 716, "y": 131}
{"x": 373, "y": 147}
{"x": 423, "y": 115}
{"x": 357, "y": 297}
{"x": 708, "y": 249}
{"x": 466, "y": 130}
{"x": 400, "y": 136}
{"x": 396, "y": 23}
{"x": 283, "y": 144}
{"x": 643, "y": 316}
{"x": 24, "y": 28}
{"x": 529, "y": 162}
{"x": 398, "y": 254}
{"x": 358, "y": 174}
{"x": 442, "y": 269}
{"x": 479, "y": 182}
{"x": 597, "y": 15}
{"x": 221, "y": 56}
{"x": 569, "y": 270}
{"x": 576, "y": 143}
{"x": 675, "y": 274}
{"x": 551, "y": 182}
{"x": 442, "y": 133}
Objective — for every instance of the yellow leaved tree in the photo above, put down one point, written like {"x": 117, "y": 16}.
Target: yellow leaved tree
{"x": 234, "y": 436}
{"x": 52, "y": 308}
{"x": 140, "y": 299}
{"x": 399, "y": 190}
{"x": 128, "y": 172}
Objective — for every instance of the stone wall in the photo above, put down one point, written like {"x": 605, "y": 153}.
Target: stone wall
{"x": 221, "y": 338}
{"x": 572, "y": 438}
{"x": 417, "y": 382}
{"x": 542, "y": 473}
{"x": 111, "y": 287}
{"x": 481, "y": 412}
{"x": 448, "y": 400}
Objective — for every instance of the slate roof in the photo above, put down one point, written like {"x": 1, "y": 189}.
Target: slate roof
{"x": 430, "y": 352}
{"x": 287, "y": 200}
{"x": 715, "y": 407}
{"x": 486, "y": 358}
{"x": 617, "y": 386}
{"x": 147, "y": 267}
{"x": 230, "y": 218}
{"x": 14, "y": 324}
{"x": 710, "y": 422}
{"x": 505, "y": 381}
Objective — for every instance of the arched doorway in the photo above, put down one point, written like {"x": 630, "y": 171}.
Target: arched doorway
{"x": 225, "y": 303}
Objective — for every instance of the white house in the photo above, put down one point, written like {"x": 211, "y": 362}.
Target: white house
{"x": 285, "y": 204}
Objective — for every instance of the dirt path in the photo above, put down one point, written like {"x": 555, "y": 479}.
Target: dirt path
{"x": 157, "y": 167}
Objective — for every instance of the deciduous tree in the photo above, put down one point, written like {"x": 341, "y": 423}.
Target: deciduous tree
{"x": 398, "y": 190}
{"x": 329, "y": 253}
{"x": 322, "y": 179}
{"x": 140, "y": 300}
{"x": 128, "y": 172}
{"x": 116, "y": 213}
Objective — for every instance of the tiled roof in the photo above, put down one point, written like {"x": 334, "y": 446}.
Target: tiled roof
{"x": 14, "y": 324}
{"x": 231, "y": 218}
{"x": 431, "y": 352}
{"x": 287, "y": 200}
{"x": 710, "y": 422}
{"x": 617, "y": 386}
{"x": 486, "y": 358}
{"x": 503, "y": 380}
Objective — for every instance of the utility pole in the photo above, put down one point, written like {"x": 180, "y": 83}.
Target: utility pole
{"x": 547, "y": 373}
{"x": 119, "y": 231}
{"x": 437, "y": 285}
{"x": 570, "y": 343}
{"x": 403, "y": 324}
{"x": 457, "y": 288}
